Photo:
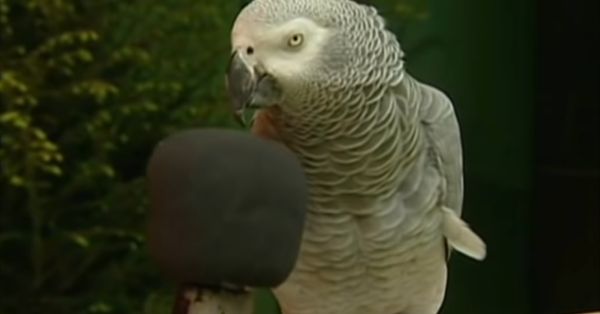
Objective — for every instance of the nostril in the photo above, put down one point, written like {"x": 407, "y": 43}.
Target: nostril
{"x": 249, "y": 50}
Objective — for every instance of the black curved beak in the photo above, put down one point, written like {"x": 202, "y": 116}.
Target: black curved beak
{"x": 249, "y": 87}
{"x": 241, "y": 83}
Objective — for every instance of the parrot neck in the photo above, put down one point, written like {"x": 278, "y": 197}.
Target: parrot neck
{"x": 359, "y": 145}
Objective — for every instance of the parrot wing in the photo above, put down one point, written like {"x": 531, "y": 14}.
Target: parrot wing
{"x": 442, "y": 133}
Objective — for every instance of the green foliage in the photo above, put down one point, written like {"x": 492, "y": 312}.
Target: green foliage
{"x": 87, "y": 88}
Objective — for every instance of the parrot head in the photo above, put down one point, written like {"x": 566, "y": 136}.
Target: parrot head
{"x": 293, "y": 54}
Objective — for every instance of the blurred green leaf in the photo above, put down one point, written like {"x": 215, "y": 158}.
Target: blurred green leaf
{"x": 80, "y": 240}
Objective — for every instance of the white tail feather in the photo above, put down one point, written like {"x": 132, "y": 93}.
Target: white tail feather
{"x": 461, "y": 237}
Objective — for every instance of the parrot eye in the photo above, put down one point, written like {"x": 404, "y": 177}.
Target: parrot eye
{"x": 295, "y": 40}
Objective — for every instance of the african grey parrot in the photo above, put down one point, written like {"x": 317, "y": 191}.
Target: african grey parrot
{"x": 381, "y": 152}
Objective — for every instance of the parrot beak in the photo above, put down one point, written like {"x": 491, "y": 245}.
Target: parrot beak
{"x": 249, "y": 87}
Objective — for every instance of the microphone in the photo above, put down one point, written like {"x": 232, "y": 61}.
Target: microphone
{"x": 227, "y": 211}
